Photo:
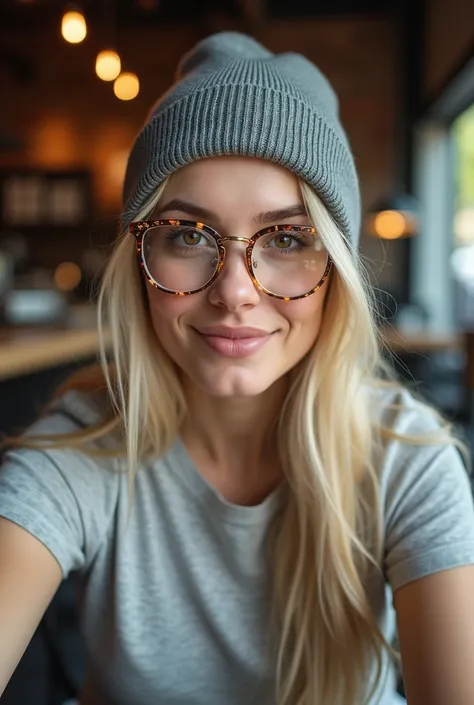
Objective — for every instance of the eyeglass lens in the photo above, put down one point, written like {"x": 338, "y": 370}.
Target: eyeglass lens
{"x": 285, "y": 262}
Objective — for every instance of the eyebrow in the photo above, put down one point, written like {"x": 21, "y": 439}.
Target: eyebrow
{"x": 272, "y": 216}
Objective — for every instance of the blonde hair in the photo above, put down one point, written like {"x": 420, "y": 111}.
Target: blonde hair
{"x": 328, "y": 538}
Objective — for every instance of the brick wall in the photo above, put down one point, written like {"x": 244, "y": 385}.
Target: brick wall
{"x": 449, "y": 36}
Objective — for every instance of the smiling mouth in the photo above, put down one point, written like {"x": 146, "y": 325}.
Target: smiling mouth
{"x": 234, "y": 343}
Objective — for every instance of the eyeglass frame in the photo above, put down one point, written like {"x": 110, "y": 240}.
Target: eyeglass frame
{"x": 139, "y": 228}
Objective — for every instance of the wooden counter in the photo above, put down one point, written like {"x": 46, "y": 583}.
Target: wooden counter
{"x": 27, "y": 350}
{"x": 421, "y": 343}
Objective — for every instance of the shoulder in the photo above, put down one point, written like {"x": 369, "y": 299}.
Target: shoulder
{"x": 74, "y": 410}
{"x": 413, "y": 442}
{"x": 394, "y": 408}
{"x": 425, "y": 494}
{"x": 64, "y": 496}
{"x": 89, "y": 470}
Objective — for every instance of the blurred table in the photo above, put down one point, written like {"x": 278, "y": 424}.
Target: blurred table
{"x": 27, "y": 350}
{"x": 421, "y": 342}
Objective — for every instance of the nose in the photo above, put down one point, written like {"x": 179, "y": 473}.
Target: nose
{"x": 234, "y": 288}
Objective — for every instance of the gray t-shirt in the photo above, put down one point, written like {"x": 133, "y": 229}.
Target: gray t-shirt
{"x": 174, "y": 605}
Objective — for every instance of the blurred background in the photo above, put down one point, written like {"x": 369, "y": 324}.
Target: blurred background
{"x": 76, "y": 84}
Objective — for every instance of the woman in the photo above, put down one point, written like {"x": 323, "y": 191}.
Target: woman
{"x": 240, "y": 490}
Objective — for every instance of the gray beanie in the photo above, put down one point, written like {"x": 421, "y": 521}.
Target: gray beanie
{"x": 233, "y": 96}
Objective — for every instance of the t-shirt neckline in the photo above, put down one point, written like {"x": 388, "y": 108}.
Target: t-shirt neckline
{"x": 190, "y": 476}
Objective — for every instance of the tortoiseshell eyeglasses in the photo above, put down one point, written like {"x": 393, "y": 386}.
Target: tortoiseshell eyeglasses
{"x": 183, "y": 257}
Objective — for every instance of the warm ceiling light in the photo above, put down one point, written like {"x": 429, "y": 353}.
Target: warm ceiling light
{"x": 149, "y": 5}
{"x": 73, "y": 27}
{"x": 390, "y": 225}
{"x": 107, "y": 65}
{"x": 67, "y": 276}
{"x": 126, "y": 86}
{"x": 394, "y": 218}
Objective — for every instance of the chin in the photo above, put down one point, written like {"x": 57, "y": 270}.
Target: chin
{"x": 233, "y": 383}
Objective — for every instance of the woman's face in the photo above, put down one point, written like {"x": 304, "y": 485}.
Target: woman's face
{"x": 233, "y": 193}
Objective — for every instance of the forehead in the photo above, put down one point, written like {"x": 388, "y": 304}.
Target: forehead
{"x": 230, "y": 178}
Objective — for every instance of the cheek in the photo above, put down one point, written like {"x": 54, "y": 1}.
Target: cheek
{"x": 305, "y": 318}
{"x": 305, "y": 315}
{"x": 169, "y": 315}
{"x": 165, "y": 311}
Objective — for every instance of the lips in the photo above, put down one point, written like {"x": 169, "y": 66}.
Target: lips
{"x": 234, "y": 342}
{"x": 233, "y": 333}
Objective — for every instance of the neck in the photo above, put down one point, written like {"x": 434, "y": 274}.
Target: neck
{"x": 233, "y": 441}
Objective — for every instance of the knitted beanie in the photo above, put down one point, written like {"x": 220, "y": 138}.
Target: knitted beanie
{"x": 232, "y": 96}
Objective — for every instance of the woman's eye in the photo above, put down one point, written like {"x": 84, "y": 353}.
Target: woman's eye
{"x": 186, "y": 237}
{"x": 286, "y": 241}
{"x": 283, "y": 241}
{"x": 192, "y": 238}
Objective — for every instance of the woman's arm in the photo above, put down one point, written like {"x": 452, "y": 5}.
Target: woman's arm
{"x": 435, "y": 617}
{"x": 29, "y": 578}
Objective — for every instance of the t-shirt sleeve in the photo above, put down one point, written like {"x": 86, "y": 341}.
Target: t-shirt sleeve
{"x": 428, "y": 506}
{"x": 63, "y": 497}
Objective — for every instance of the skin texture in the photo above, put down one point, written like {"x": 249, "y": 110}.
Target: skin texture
{"x": 435, "y": 618}
{"x": 233, "y": 402}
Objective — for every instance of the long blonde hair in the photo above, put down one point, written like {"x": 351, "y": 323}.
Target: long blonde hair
{"x": 328, "y": 538}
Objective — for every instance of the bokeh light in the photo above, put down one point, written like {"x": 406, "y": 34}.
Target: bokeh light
{"x": 74, "y": 27}
{"x": 67, "y": 276}
{"x": 390, "y": 225}
{"x": 108, "y": 65}
{"x": 127, "y": 86}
